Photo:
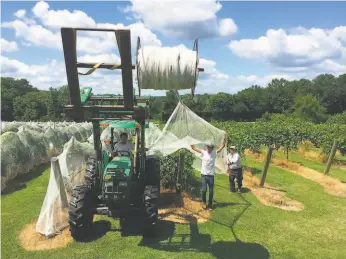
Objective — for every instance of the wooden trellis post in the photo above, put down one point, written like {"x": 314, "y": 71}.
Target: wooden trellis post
{"x": 266, "y": 165}
{"x": 331, "y": 157}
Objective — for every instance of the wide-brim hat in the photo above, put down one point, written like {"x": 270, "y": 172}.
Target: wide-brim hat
{"x": 232, "y": 147}
{"x": 210, "y": 144}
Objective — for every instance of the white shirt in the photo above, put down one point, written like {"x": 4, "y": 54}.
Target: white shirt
{"x": 118, "y": 147}
{"x": 208, "y": 162}
{"x": 235, "y": 160}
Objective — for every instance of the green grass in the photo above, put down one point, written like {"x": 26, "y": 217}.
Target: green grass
{"x": 340, "y": 159}
{"x": 335, "y": 171}
{"x": 241, "y": 226}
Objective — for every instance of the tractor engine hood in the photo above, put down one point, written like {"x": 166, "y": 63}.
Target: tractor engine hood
{"x": 119, "y": 165}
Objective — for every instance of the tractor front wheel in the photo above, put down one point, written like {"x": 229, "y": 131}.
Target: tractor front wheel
{"x": 151, "y": 200}
{"x": 81, "y": 211}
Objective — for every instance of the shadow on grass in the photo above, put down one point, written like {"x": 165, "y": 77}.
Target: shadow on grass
{"x": 166, "y": 240}
{"x": 98, "y": 230}
{"x": 20, "y": 182}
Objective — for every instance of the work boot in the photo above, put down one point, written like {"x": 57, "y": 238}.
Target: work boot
{"x": 210, "y": 207}
{"x": 232, "y": 190}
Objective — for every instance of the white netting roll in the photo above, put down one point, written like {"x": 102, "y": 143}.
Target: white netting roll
{"x": 165, "y": 68}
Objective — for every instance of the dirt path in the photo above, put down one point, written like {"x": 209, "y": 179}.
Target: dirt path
{"x": 181, "y": 208}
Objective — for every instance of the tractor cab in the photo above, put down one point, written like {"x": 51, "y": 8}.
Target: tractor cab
{"x": 122, "y": 169}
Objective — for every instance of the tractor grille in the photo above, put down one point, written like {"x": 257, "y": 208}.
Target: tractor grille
{"x": 113, "y": 189}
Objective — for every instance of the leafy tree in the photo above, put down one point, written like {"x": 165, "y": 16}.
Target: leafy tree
{"x": 31, "y": 106}
{"x": 338, "y": 118}
{"x": 170, "y": 104}
{"x": 308, "y": 108}
{"x": 279, "y": 97}
{"x": 220, "y": 106}
{"x": 156, "y": 107}
{"x": 11, "y": 88}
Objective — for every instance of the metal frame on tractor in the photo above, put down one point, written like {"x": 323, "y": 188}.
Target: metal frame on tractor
{"x": 84, "y": 106}
{"x": 87, "y": 107}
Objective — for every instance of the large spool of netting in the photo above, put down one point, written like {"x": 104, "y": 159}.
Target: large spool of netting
{"x": 166, "y": 68}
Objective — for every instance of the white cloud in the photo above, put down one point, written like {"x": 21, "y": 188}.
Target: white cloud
{"x": 183, "y": 19}
{"x": 40, "y": 76}
{"x": 53, "y": 74}
{"x": 298, "y": 51}
{"x": 102, "y": 58}
{"x": 35, "y": 34}
{"x": 227, "y": 27}
{"x": 20, "y": 13}
{"x": 233, "y": 84}
{"x": 210, "y": 69}
{"x": 61, "y": 18}
{"x": 55, "y": 19}
{"x": 8, "y": 46}
{"x": 48, "y": 34}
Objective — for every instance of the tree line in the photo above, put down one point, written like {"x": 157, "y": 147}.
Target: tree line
{"x": 313, "y": 100}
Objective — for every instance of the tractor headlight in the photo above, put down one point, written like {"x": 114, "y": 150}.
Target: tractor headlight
{"x": 122, "y": 184}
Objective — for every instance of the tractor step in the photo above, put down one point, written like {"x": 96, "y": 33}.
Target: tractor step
{"x": 103, "y": 211}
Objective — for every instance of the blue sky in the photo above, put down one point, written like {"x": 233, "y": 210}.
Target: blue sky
{"x": 241, "y": 43}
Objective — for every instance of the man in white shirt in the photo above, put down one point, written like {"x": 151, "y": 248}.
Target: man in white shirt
{"x": 208, "y": 171}
{"x": 236, "y": 170}
{"x": 123, "y": 148}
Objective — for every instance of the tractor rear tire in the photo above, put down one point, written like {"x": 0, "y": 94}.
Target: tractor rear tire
{"x": 151, "y": 200}
{"x": 81, "y": 211}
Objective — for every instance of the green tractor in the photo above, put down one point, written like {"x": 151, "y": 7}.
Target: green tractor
{"x": 116, "y": 186}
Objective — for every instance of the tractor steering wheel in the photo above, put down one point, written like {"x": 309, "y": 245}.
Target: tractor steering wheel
{"x": 122, "y": 153}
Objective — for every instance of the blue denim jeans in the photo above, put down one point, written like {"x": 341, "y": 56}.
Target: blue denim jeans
{"x": 208, "y": 180}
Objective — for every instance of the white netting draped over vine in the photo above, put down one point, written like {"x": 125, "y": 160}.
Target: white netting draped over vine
{"x": 26, "y": 145}
{"x": 70, "y": 172}
{"x": 185, "y": 128}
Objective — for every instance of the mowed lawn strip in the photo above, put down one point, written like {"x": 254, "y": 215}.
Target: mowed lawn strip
{"x": 241, "y": 226}
{"x": 335, "y": 171}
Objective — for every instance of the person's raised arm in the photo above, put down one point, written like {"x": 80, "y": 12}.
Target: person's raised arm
{"x": 222, "y": 145}
{"x": 196, "y": 148}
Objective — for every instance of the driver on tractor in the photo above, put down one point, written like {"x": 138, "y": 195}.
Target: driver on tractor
{"x": 124, "y": 147}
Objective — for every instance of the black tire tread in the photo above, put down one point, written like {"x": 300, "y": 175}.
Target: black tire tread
{"x": 80, "y": 211}
{"x": 90, "y": 173}
{"x": 151, "y": 198}
{"x": 152, "y": 170}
